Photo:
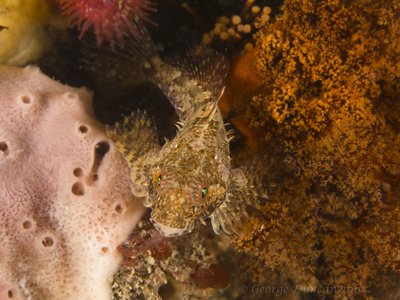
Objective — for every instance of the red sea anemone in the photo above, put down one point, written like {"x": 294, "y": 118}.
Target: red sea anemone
{"x": 111, "y": 19}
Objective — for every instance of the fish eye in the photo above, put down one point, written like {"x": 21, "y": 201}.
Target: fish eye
{"x": 158, "y": 180}
{"x": 204, "y": 192}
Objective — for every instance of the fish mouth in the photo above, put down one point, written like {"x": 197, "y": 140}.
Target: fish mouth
{"x": 167, "y": 230}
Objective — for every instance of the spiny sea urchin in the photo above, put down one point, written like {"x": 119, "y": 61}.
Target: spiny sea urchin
{"x": 111, "y": 19}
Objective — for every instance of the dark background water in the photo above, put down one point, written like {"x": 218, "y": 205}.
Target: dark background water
{"x": 177, "y": 26}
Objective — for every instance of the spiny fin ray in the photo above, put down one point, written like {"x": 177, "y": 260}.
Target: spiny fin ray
{"x": 205, "y": 66}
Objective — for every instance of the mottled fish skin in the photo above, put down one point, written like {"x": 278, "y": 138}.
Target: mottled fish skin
{"x": 189, "y": 89}
{"x": 189, "y": 178}
{"x": 192, "y": 178}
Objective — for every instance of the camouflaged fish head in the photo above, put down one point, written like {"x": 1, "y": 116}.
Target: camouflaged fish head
{"x": 190, "y": 179}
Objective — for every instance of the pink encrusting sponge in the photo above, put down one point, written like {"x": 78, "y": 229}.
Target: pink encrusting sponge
{"x": 111, "y": 20}
{"x": 65, "y": 200}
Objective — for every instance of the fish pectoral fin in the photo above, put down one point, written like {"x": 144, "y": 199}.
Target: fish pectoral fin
{"x": 222, "y": 218}
{"x": 135, "y": 137}
{"x": 229, "y": 214}
{"x": 250, "y": 181}
{"x": 243, "y": 191}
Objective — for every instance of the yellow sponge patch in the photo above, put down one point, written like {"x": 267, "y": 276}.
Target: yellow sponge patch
{"x": 22, "y": 38}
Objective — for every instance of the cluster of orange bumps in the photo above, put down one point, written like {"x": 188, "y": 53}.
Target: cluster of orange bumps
{"x": 327, "y": 105}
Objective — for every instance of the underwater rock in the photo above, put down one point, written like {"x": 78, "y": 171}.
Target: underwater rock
{"x": 157, "y": 267}
{"x": 64, "y": 192}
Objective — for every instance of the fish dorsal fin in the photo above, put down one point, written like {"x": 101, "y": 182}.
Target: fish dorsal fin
{"x": 205, "y": 66}
{"x": 135, "y": 136}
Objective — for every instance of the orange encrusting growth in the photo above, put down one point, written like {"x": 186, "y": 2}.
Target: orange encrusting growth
{"x": 241, "y": 85}
{"x": 330, "y": 110}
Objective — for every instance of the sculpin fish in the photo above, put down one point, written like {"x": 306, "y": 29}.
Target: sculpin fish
{"x": 189, "y": 178}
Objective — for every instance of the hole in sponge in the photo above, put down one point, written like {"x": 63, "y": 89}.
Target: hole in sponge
{"x": 118, "y": 209}
{"x": 10, "y": 294}
{"x": 25, "y": 99}
{"x": 48, "y": 241}
{"x": 104, "y": 250}
{"x": 27, "y": 224}
{"x": 101, "y": 149}
{"x": 3, "y": 146}
{"x": 83, "y": 129}
{"x": 78, "y": 189}
{"x": 78, "y": 172}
